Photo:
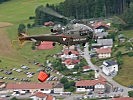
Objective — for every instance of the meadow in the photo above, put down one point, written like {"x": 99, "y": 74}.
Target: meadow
{"x": 125, "y": 75}
{"x": 12, "y": 56}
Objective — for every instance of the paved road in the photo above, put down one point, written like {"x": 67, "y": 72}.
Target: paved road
{"x": 109, "y": 79}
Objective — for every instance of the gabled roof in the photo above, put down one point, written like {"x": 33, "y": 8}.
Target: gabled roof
{"x": 110, "y": 63}
{"x": 86, "y": 67}
{"x": 105, "y": 42}
{"x": 40, "y": 95}
{"x": 73, "y": 52}
{"x": 43, "y": 95}
{"x": 123, "y": 98}
{"x": 29, "y": 86}
{"x": 100, "y": 80}
{"x": 45, "y": 45}
{"x": 103, "y": 50}
{"x": 99, "y": 24}
{"x": 71, "y": 61}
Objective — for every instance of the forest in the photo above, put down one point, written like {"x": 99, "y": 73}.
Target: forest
{"x": 85, "y": 9}
{"x": 1, "y": 1}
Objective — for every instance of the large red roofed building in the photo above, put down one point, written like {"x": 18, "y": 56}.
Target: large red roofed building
{"x": 45, "y": 45}
{"x": 104, "y": 52}
{"x": 123, "y": 98}
{"x": 42, "y": 96}
{"x": 30, "y": 87}
{"x": 97, "y": 85}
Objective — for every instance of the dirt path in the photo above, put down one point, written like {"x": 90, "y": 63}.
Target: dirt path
{"x": 6, "y": 48}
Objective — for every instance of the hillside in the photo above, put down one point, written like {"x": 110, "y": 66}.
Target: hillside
{"x": 12, "y": 13}
{"x": 18, "y": 11}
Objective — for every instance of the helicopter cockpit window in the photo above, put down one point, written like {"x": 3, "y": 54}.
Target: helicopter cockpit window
{"x": 83, "y": 33}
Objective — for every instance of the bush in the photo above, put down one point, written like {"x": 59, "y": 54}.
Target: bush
{"x": 130, "y": 93}
{"x": 130, "y": 54}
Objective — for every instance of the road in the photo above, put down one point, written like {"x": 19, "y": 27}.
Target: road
{"x": 109, "y": 79}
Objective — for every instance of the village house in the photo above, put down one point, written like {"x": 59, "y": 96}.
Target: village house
{"x": 42, "y": 96}
{"x": 86, "y": 68}
{"x": 59, "y": 88}
{"x": 102, "y": 43}
{"x": 97, "y": 85}
{"x": 65, "y": 54}
{"x": 100, "y": 35}
{"x": 103, "y": 52}
{"x": 110, "y": 68}
{"x": 50, "y": 23}
{"x": 105, "y": 42}
{"x": 123, "y": 98}
{"x": 100, "y": 27}
{"x": 121, "y": 38}
{"x": 29, "y": 87}
{"x": 70, "y": 63}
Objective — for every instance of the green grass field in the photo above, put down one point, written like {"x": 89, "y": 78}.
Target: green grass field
{"x": 125, "y": 75}
{"x": 17, "y": 12}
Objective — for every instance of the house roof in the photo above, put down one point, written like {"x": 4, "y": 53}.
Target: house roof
{"x": 123, "y": 98}
{"x": 43, "y": 95}
{"x": 73, "y": 52}
{"x": 86, "y": 67}
{"x": 40, "y": 95}
{"x": 101, "y": 34}
{"x": 110, "y": 63}
{"x": 71, "y": 61}
{"x": 29, "y": 86}
{"x": 50, "y": 97}
{"x": 50, "y": 23}
{"x": 45, "y": 45}
{"x": 99, "y": 24}
{"x": 100, "y": 80}
{"x": 103, "y": 50}
{"x": 105, "y": 42}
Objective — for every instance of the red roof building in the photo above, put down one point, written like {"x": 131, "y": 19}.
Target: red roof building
{"x": 97, "y": 85}
{"x": 72, "y": 51}
{"x": 86, "y": 68}
{"x": 91, "y": 82}
{"x": 100, "y": 24}
{"x": 123, "y": 98}
{"x": 71, "y": 61}
{"x": 45, "y": 45}
{"x": 31, "y": 87}
{"x": 40, "y": 95}
{"x": 104, "y": 52}
{"x": 50, "y": 23}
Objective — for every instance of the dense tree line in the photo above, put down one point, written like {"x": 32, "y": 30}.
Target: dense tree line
{"x": 1, "y": 1}
{"x": 83, "y": 9}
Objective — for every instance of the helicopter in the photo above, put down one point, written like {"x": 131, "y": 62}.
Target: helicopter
{"x": 71, "y": 34}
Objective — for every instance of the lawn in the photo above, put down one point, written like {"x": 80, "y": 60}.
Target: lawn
{"x": 125, "y": 75}
{"x": 128, "y": 33}
{"x": 17, "y": 12}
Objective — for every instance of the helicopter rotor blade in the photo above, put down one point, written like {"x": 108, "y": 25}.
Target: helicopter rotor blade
{"x": 54, "y": 13}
